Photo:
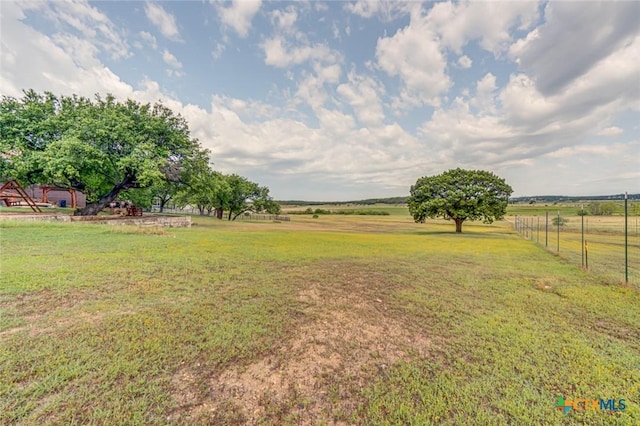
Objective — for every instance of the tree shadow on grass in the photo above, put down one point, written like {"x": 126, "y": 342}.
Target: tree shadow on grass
{"x": 468, "y": 234}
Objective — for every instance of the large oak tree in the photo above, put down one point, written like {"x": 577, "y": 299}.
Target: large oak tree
{"x": 101, "y": 147}
{"x": 459, "y": 195}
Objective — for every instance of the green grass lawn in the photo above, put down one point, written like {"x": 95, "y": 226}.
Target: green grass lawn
{"x": 340, "y": 319}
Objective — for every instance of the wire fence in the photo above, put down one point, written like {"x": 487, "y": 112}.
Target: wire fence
{"x": 605, "y": 245}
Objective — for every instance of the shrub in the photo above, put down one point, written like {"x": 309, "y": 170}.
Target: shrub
{"x": 559, "y": 221}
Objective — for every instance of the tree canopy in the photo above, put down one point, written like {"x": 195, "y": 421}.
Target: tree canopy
{"x": 204, "y": 189}
{"x": 246, "y": 196}
{"x": 101, "y": 147}
{"x": 459, "y": 195}
{"x": 209, "y": 190}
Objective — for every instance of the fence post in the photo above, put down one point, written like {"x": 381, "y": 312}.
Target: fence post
{"x": 558, "y": 226}
{"x": 546, "y": 230}
{"x": 582, "y": 216}
{"x": 538, "y": 231}
{"x": 626, "y": 253}
{"x": 586, "y": 255}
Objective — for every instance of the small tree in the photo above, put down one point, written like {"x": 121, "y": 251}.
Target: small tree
{"x": 608, "y": 208}
{"x": 247, "y": 196}
{"x": 459, "y": 195}
{"x": 559, "y": 221}
{"x": 206, "y": 191}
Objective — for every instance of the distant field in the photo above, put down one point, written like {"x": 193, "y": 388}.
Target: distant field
{"x": 541, "y": 209}
{"x": 369, "y": 320}
{"x": 396, "y": 210}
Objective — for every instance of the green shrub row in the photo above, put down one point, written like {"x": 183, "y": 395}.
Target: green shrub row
{"x": 345, "y": 212}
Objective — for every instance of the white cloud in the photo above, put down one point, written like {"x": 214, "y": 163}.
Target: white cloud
{"x": 284, "y": 19}
{"x": 328, "y": 74}
{"x": 464, "y": 61}
{"x": 610, "y": 131}
{"x": 565, "y": 40}
{"x": 488, "y": 22}
{"x": 335, "y": 30}
{"x": 600, "y": 92}
{"x": 281, "y": 54}
{"x": 611, "y": 150}
{"x": 290, "y": 46}
{"x": 63, "y": 64}
{"x": 94, "y": 25}
{"x": 149, "y": 39}
{"x": 163, "y": 20}
{"x": 218, "y": 50}
{"x": 417, "y": 52}
{"x": 238, "y": 15}
{"x": 310, "y": 90}
{"x": 171, "y": 60}
{"x": 324, "y": 154}
{"x": 83, "y": 52}
{"x": 386, "y": 10}
{"x": 484, "y": 101}
{"x": 80, "y": 23}
{"x": 361, "y": 93}
{"x": 414, "y": 54}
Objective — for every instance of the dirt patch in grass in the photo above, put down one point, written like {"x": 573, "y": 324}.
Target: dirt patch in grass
{"x": 348, "y": 336}
{"x": 47, "y": 311}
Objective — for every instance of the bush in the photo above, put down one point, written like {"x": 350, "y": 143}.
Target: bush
{"x": 559, "y": 221}
{"x": 315, "y": 216}
{"x": 364, "y": 212}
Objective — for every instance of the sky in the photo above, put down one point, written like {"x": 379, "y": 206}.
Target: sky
{"x": 345, "y": 100}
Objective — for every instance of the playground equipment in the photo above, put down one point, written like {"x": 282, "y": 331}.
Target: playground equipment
{"x": 12, "y": 194}
{"x": 48, "y": 188}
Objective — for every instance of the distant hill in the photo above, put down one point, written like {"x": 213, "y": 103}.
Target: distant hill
{"x": 403, "y": 200}
{"x": 566, "y": 198}
{"x": 368, "y": 201}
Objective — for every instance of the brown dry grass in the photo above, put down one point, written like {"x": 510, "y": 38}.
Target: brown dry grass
{"x": 347, "y": 335}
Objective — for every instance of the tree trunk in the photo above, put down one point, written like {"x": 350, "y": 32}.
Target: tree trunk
{"x": 94, "y": 208}
{"x": 163, "y": 202}
{"x": 219, "y": 213}
{"x": 459, "y": 224}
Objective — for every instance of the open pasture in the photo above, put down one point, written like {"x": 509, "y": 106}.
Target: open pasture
{"x": 334, "y": 320}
